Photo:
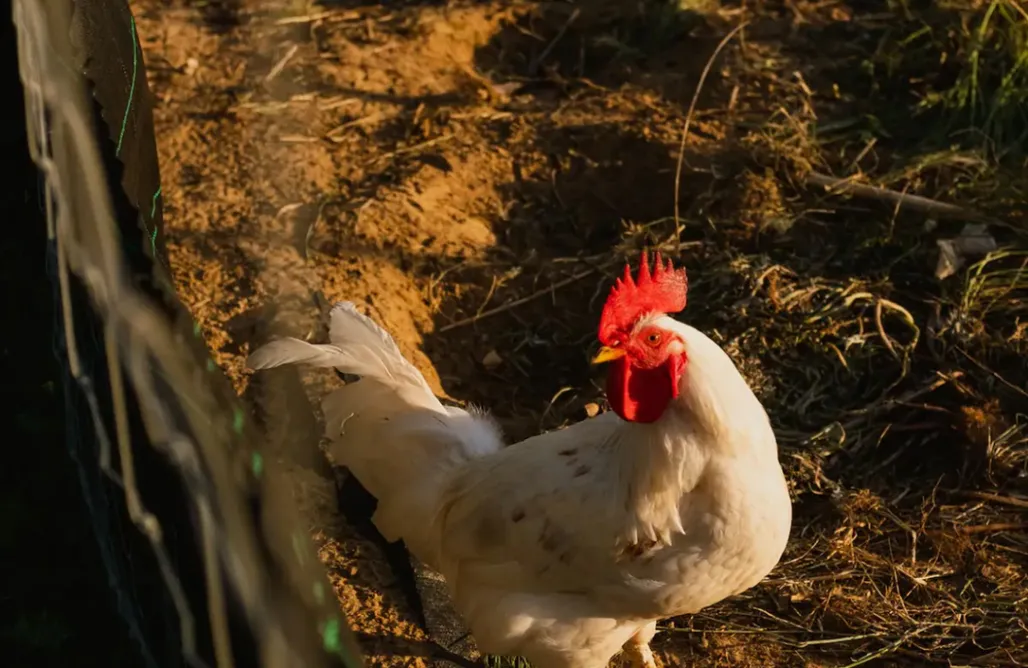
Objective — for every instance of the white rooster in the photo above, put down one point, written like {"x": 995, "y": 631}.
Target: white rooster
{"x": 569, "y": 546}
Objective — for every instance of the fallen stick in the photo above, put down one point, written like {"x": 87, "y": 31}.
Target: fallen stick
{"x": 1014, "y": 501}
{"x": 899, "y": 199}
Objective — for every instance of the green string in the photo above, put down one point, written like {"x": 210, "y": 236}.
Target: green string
{"x": 153, "y": 212}
{"x": 132, "y": 89}
{"x": 257, "y": 464}
{"x": 331, "y": 637}
{"x": 237, "y": 420}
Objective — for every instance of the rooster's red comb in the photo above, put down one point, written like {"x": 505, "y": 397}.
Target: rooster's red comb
{"x": 661, "y": 291}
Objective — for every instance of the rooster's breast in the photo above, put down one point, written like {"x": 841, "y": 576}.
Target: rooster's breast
{"x": 736, "y": 528}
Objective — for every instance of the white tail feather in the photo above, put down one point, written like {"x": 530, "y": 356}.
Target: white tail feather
{"x": 388, "y": 428}
{"x": 350, "y": 326}
{"x": 293, "y": 351}
{"x": 359, "y": 346}
{"x": 350, "y": 329}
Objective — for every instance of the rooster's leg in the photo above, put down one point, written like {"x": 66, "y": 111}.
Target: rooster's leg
{"x": 638, "y": 647}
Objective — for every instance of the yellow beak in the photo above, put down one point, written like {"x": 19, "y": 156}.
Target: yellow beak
{"x": 608, "y": 354}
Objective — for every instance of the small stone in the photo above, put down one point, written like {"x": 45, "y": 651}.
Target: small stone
{"x": 492, "y": 360}
{"x": 592, "y": 409}
{"x": 973, "y": 242}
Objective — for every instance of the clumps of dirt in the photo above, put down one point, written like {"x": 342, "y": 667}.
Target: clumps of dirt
{"x": 731, "y": 650}
{"x": 407, "y": 55}
{"x": 443, "y": 210}
{"x": 371, "y": 605}
{"x": 762, "y": 206}
{"x": 451, "y": 37}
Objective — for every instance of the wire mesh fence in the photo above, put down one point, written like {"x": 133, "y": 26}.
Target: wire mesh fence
{"x": 202, "y": 546}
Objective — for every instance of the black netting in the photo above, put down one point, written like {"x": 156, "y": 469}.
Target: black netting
{"x": 206, "y": 559}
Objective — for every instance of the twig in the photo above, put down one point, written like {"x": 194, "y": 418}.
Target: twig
{"x": 992, "y": 373}
{"x": 883, "y": 404}
{"x": 883, "y": 651}
{"x": 982, "y": 528}
{"x": 329, "y": 15}
{"x": 298, "y": 139}
{"x": 413, "y": 149}
{"x": 306, "y": 18}
{"x": 688, "y": 121}
{"x": 899, "y": 199}
{"x": 881, "y": 330}
{"x": 533, "y": 67}
{"x": 996, "y": 498}
{"x": 333, "y": 134}
{"x": 281, "y": 64}
{"x": 488, "y": 296}
{"x": 518, "y": 302}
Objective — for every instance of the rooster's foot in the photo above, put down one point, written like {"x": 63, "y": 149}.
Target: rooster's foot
{"x": 637, "y": 649}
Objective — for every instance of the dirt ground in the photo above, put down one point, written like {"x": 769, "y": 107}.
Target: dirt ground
{"x": 474, "y": 173}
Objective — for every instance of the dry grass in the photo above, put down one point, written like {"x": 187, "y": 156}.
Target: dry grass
{"x": 899, "y": 399}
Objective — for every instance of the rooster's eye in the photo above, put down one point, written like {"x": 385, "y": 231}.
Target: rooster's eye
{"x": 653, "y": 338}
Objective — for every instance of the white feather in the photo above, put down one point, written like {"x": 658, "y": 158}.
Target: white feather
{"x": 388, "y": 427}
{"x": 353, "y": 331}
{"x": 293, "y": 351}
